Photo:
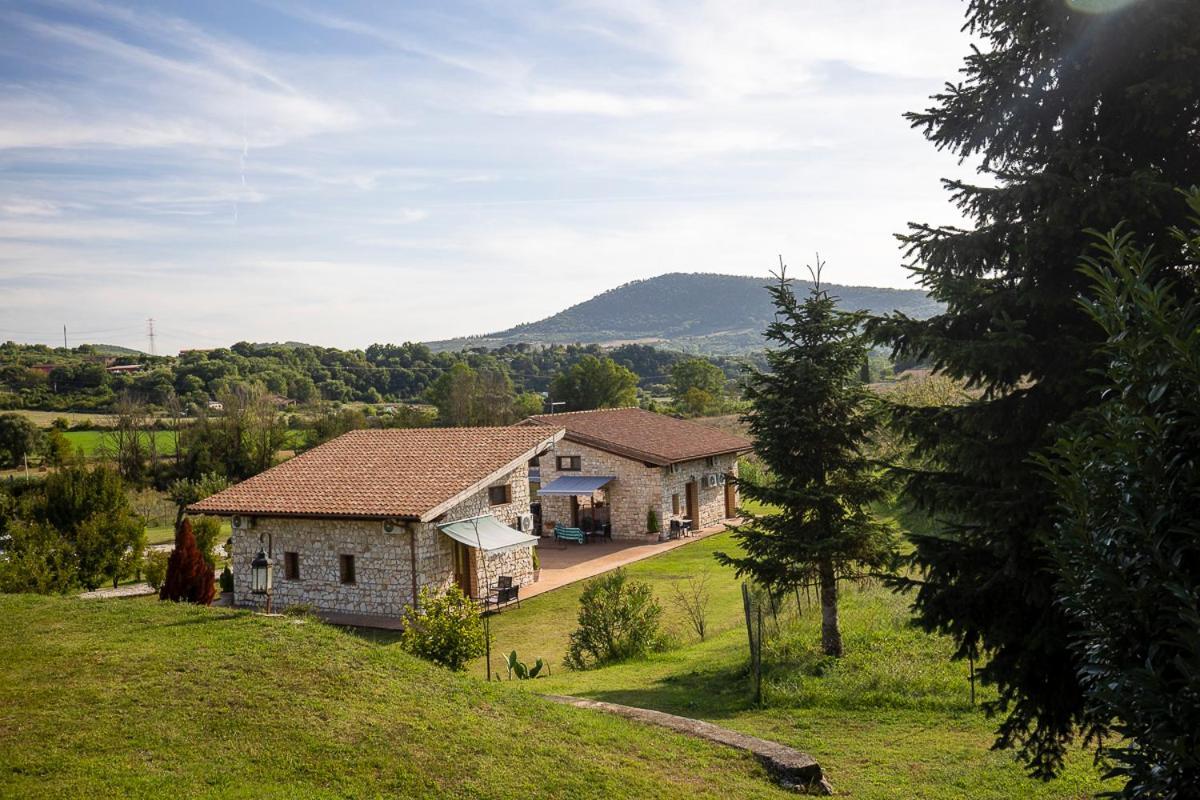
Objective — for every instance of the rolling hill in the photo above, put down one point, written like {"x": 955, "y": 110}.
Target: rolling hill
{"x": 694, "y": 312}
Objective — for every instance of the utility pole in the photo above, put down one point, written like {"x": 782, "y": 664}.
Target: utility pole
{"x": 64, "y": 337}
{"x": 150, "y": 323}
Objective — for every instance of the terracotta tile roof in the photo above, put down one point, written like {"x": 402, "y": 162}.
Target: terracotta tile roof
{"x": 643, "y": 435}
{"x": 377, "y": 474}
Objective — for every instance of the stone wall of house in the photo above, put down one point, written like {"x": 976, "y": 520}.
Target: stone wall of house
{"x": 636, "y": 490}
{"x": 382, "y": 561}
{"x": 382, "y": 564}
{"x": 518, "y": 562}
{"x": 712, "y": 499}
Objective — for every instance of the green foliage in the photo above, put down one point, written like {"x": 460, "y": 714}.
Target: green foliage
{"x": 698, "y": 386}
{"x": 185, "y": 491}
{"x": 523, "y": 671}
{"x": 207, "y": 530}
{"x": 595, "y": 383}
{"x": 810, "y": 421}
{"x": 240, "y": 442}
{"x": 445, "y": 629}
{"x": 466, "y": 396}
{"x": 1126, "y": 547}
{"x": 618, "y": 619}
{"x": 56, "y": 448}
{"x": 154, "y": 568}
{"x": 18, "y": 438}
{"x": 90, "y": 509}
{"x": 537, "y": 560}
{"x": 1077, "y": 120}
{"x": 225, "y": 581}
{"x": 652, "y": 524}
{"x": 36, "y": 558}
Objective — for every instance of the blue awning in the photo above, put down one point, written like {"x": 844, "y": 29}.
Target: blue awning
{"x": 576, "y": 484}
{"x": 486, "y": 533}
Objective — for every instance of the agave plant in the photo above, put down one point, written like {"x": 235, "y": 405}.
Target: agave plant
{"x": 522, "y": 670}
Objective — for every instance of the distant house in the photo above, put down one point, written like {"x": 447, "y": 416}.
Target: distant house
{"x": 279, "y": 401}
{"x": 117, "y": 369}
{"x": 45, "y": 369}
{"x": 614, "y": 466}
{"x": 214, "y": 405}
{"x": 361, "y": 523}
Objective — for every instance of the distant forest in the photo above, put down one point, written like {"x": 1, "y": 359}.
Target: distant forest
{"x": 79, "y": 379}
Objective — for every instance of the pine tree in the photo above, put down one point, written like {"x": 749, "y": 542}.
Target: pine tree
{"x": 189, "y": 577}
{"x": 1078, "y": 120}
{"x": 809, "y": 418}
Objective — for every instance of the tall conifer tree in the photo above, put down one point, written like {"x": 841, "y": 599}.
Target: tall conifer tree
{"x": 1081, "y": 113}
{"x": 810, "y": 417}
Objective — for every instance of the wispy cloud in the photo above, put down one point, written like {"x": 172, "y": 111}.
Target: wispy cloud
{"x": 291, "y": 171}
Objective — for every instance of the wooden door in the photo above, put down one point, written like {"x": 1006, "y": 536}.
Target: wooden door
{"x": 692, "y": 492}
{"x": 464, "y": 572}
{"x": 730, "y": 498}
{"x": 574, "y": 511}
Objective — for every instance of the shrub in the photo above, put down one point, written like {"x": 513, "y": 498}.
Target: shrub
{"x": 155, "y": 568}
{"x": 226, "y": 579}
{"x": 189, "y": 577}
{"x": 445, "y": 629}
{"x": 618, "y": 619}
{"x": 652, "y": 525}
{"x": 693, "y": 599}
{"x": 37, "y": 558}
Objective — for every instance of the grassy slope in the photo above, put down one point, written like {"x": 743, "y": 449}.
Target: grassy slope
{"x": 891, "y": 719}
{"x": 142, "y": 699}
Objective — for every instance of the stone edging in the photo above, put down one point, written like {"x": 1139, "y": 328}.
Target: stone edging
{"x": 791, "y": 768}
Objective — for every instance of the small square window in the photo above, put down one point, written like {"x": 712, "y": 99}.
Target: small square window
{"x": 499, "y": 495}
{"x": 711, "y": 461}
{"x": 346, "y": 568}
{"x": 569, "y": 464}
{"x": 291, "y": 566}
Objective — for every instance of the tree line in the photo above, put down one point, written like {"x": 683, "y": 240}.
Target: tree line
{"x": 41, "y": 377}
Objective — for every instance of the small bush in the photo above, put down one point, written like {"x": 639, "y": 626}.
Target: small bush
{"x": 155, "y": 568}
{"x": 445, "y": 629}
{"x": 618, "y": 619}
{"x": 189, "y": 577}
{"x": 652, "y": 525}
{"x": 226, "y": 579}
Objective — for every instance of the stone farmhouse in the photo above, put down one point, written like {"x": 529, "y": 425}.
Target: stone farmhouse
{"x": 358, "y": 525}
{"x": 615, "y": 466}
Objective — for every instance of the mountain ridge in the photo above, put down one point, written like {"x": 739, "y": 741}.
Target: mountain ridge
{"x": 699, "y": 312}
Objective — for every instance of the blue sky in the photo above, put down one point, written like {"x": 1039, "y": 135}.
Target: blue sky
{"x": 352, "y": 173}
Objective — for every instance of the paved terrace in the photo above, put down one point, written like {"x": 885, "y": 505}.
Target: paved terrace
{"x": 564, "y": 563}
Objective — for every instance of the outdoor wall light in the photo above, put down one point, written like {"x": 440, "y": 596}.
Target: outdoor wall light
{"x": 262, "y": 578}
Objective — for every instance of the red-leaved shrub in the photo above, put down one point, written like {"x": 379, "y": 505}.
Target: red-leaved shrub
{"x": 189, "y": 577}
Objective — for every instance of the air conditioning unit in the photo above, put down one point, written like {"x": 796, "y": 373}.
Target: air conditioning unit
{"x": 525, "y": 523}
{"x": 711, "y": 480}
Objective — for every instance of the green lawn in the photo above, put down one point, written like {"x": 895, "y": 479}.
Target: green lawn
{"x": 892, "y": 718}
{"x": 165, "y": 534}
{"x": 93, "y": 444}
{"x": 137, "y": 698}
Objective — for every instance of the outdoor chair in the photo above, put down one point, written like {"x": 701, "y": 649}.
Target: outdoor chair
{"x": 563, "y": 533}
{"x": 504, "y": 592}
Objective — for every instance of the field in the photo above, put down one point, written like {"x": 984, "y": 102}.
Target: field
{"x": 137, "y": 698}
{"x": 892, "y": 718}
{"x": 93, "y": 442}
{"x": 44, "y": 419}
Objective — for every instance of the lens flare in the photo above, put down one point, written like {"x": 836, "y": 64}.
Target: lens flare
{"x": 1098, "y": 6}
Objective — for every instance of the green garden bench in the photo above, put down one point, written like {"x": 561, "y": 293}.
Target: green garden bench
{"x": 569, "y": 534}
